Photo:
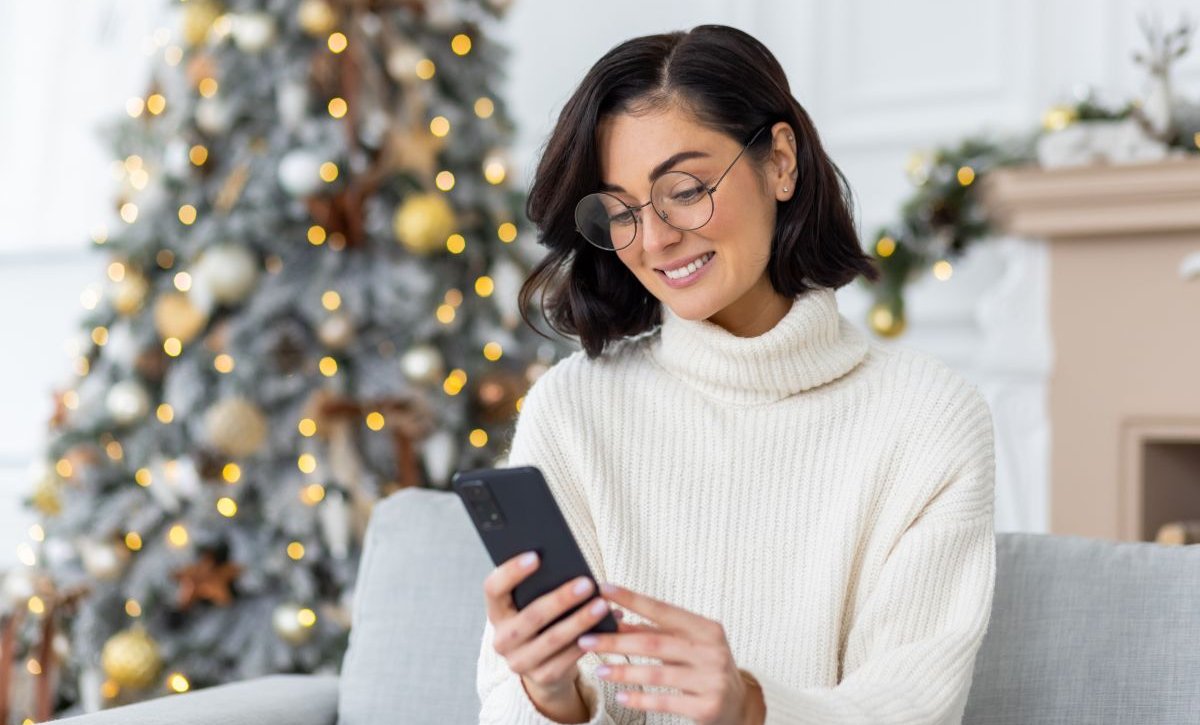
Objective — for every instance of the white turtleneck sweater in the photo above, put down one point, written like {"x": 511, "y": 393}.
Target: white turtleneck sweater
{"x": 828, "y": 500}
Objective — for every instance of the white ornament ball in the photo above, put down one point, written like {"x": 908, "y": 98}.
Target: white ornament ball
{"x": 18, "y": 586}
{"x": 286, "y": 622}
{"x": 253, "y": 32}
{"x": 422, "y": 364}
{"x": 291, "y": 102}
{"x": 227, "y": 272}
{"x": 101, "y": 561}
{"x": 213, "y": 116}
{"x": 336, "y": 331}
{"x": 300, "y": 172}
{"x": 127, "y": 401}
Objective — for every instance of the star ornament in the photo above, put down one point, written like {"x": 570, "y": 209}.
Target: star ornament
{"x": 206, "y": 580}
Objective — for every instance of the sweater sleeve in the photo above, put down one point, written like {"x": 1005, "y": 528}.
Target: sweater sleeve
{"x": 911, "y": 646}
{"x": 542, "y": 432}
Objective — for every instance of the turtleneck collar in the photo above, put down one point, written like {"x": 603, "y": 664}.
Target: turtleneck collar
{"x": 811, "y": 345}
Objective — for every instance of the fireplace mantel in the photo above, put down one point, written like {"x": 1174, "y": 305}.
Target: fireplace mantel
{"x": 1125, "y": 330}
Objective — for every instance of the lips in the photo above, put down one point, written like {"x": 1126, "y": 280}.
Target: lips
{"x": 680, "y": 263}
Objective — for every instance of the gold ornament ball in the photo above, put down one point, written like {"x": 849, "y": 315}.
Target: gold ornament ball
{"x": 286, "y": 622}
{"x": 47, "y": 495}
{"x": 316, "y": 17}
{"x": 198, "y": 17}
{"x": 236, "y": 427}
{"x": 176, "y": 316}
{"x": 129, "y": 294}
{"x": 131, "y": 659}
{"x": 423, "y": 222}
{"x": 885, "y": 322}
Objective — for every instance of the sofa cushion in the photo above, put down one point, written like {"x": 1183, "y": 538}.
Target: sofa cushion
{"x": 418, "y": 615}
{"x": 1090, "y": 631}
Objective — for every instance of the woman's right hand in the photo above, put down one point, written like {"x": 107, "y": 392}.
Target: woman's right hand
{"x": 546, "y": 662}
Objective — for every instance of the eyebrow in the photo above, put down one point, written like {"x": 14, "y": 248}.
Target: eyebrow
{"x": 661, "y": 169}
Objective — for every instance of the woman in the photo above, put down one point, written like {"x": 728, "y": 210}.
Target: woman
{"x": 800, "y": 521}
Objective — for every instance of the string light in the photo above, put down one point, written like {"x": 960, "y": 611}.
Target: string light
{"x": 375, "y": 420}
{"x": 453, "y": 296}
{"x": 337, "y": 42}
{"x": 425, "y": 69}
{"x": 37, "y": 533}
{"x": 312, "y": 494}
{"x": 223, "y": 363}
{"x": 316, "y": 235}
{"x": 129, "y": 212}
{"x": 198, "y": 154}
{"x": 133, "y": 540}
{"x": 33, "y": 666}
{"x": 306, "y": 617}
{"x": 444, "y": 180}
{"x": 172, "y": 346}
{"x": 337, "y": 107}
{"x": 25, "y": 554}
{"x": 331, "y": 300}
{"x": 507, "y": 232}
{"x": 328, "y": 366}
{"x": 307, "y": 462}
{"x": 942, "y": 270}
{"x": 227, "y": 507}
{"x": 439, "y": 126}
{"x": 231, "y": 472}
{"x": 178, "y": 682}
{"x": 64, "y": 468}
{"x": 156, "y": 103}
{"x": 308, "y": 427}
{"x": 187, "y": 214}
{"x": 182, "y": 281}
{"x": 493, "y": 351}
{"x": 484, "y": 107}
{"x": 177, "y": 536}
{"x": 134, "y": 107}
{"x": 165, "y": 413}
{"x": 143, "y": 476}
{"x": 295, "y": 550}
{"x": 478, "y": 438}
{"x": 100, "y": 335}
{"x": 494, "y": 172}
{"x": 461, "y": 44}
{"x": 329, "y": 171}
{"x": 208, "y": 87}
{"x": 456, "y": 243}
{"x": 484, "y": 286}
{"x": 966, "y": 175}
{"x": 455, "y": 381}
{"x": 132, "y": 608}
{"x": 445, "y": 314}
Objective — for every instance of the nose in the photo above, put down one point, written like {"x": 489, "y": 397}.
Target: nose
{"x": 656, "y": 233}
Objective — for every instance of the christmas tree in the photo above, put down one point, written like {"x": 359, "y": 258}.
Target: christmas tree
{"x": 311, "y": 303}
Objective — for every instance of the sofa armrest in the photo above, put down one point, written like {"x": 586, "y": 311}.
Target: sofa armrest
{"x": 292, "y": 699}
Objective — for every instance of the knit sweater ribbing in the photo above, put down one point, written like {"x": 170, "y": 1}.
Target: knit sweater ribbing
{"x": 828, "y": 500}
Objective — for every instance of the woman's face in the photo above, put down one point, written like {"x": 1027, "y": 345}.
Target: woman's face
{"x": 731, "y": 289}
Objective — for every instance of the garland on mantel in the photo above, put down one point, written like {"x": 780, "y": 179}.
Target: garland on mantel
{"x": 943, "y": 216}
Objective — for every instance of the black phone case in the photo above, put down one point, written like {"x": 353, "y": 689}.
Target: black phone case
{"x": 532, "y": 521}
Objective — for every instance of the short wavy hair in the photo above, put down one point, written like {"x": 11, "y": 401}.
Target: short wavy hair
{"x": 728, "y": 81}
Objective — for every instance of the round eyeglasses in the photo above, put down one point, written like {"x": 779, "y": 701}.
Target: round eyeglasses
{"x": 680, "y": 199}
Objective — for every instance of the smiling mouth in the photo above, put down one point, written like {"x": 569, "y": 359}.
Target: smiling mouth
{"x": 690, "y": 268}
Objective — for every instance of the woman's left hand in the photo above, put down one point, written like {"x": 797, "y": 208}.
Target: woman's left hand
{"x": 696, "y": 660}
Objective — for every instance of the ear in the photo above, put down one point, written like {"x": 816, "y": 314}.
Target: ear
{"x": 784, "y": 160}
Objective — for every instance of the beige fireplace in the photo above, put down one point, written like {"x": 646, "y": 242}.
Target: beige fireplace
{"x": 1124, "y": 394}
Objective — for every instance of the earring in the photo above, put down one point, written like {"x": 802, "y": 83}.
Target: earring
{"x": 785, "y": 188}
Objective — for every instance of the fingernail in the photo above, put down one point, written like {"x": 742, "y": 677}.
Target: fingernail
{"x": 603, "y": 670}
{"x": 599, "y": 606}
{"x": 608, "y": 588}
{"x": 622, "y": 697}
{"x": 587, "y": 640}
{"x": 528, "y": 559}
{"x": 582, "y": 586}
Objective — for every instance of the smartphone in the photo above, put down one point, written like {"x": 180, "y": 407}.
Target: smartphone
{"x": 514, "y": 511}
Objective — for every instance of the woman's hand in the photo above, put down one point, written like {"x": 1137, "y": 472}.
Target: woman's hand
{"x": 696, "y": 660}
{"x": 546, "y": 662}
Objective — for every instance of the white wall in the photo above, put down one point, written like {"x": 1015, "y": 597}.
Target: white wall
{"x": 879, "y": 79}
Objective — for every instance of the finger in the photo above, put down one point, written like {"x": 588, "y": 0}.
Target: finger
{"x": 680, "y": 677}
{"x": 657, "y": 643}
{"x": 498, "y": 585}
{"x": 693, "y": 707}
{"x": 548, "y": 644}
{"x": 664, "y": 614}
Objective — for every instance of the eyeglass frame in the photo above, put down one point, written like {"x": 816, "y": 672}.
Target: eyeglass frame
{"x": 710, "y": 190}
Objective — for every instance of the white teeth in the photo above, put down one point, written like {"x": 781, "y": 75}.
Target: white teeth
{"x": 685, "y": 271}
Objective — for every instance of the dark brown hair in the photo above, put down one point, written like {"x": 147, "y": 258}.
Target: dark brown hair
{"x": 728, "y": 81}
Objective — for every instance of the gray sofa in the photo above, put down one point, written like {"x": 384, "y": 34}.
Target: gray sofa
{"x": 1082, "y": 631}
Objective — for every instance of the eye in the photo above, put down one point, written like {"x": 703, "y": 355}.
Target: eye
{"x": 623, "y": 219}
